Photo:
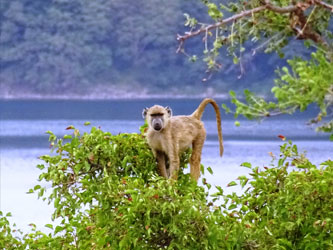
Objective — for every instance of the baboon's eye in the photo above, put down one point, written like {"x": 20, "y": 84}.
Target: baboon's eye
{"x": 157, "y": 114}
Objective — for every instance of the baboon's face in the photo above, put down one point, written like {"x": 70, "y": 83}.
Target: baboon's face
{"x": 157, "y": 116}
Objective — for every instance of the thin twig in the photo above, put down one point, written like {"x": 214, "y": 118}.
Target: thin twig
{"x": 254, "y": 51}
{"x": 301, "y": 32}
{"x": 240, "y": 53}
{"x": 206, "y": 40}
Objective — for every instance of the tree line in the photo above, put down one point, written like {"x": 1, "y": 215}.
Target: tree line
{"x": 73, "y": 46}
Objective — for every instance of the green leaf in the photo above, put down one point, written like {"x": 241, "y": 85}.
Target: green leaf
{"x": 56, "y": 202}
{"x": 232, "y": 94}
{"x": 281, "y": 55}
{"x": 77, "y": 168}
{"x": 232, "y": 206}
{"x": 193, "y": 58}
{"x": 86, "y": 166}
{"x": 246, "y": 164}
{"x": 285, "y": 243}
{"x": 213, "y": 11}
{"x": 227, "y": 110}
{"x": 233, "y": 183}
{"x": 41, "y": 192}
{"x": 245, "y": 208}
{"x": 49, "y": 226}
{"x": 40, "y": 166}
{"x": 58, "y": 229}
{"x": 289, "y": 225}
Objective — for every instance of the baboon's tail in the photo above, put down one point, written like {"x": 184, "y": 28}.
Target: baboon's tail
{"x": 198, "y": 114}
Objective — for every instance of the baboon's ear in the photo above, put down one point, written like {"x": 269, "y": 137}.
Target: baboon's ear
{"x": 144, "y": 113}
{"x": 169, "y": 110}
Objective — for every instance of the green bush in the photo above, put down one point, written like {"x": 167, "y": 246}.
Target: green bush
{"x": 107, "y": 195}
{"x": 287, "y": 206}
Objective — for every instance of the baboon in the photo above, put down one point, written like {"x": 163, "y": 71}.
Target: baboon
{"x": 169, "y": 136}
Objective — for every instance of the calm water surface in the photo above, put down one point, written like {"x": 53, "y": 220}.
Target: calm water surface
{"x": 23, "y": 140}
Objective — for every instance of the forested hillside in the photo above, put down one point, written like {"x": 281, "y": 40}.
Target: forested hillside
{"x": 80, "y": 46}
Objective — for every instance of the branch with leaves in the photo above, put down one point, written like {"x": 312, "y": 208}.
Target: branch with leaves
{"x": 273, "y": 24}
{"x": 297, "y": 17}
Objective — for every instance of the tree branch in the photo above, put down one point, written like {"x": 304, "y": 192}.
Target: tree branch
{"x": 325, "y": 5}
{"x": 188, "y": 35}
{"x": 268, "y": 6}
{"x": 281, "y": 10}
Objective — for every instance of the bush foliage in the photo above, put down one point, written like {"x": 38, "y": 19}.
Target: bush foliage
{"x": 107, "y": 195}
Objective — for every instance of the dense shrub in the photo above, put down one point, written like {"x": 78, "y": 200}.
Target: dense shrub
{"x": 107, "y": 194}
{"x": 287, "y": 206}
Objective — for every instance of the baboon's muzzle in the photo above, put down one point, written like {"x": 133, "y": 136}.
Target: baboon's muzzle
{"x": 157, "y": 124}
{"x": 157, "y": 127}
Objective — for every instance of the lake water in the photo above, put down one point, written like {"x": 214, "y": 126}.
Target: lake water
{"x": 23, "y": 140}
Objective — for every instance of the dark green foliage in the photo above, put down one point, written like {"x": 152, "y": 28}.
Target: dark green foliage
{"x": 53, "y": 45}
{"x": 107, "y": 195}
{"x": 62, "y": 47}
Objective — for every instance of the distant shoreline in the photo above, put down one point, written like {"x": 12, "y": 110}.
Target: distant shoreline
{"x": 107, "y": 97}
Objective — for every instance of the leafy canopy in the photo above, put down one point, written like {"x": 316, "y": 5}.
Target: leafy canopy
{"x": 106, "y": 194}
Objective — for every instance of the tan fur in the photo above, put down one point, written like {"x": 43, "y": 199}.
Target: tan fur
{"x": 178, "y": 133}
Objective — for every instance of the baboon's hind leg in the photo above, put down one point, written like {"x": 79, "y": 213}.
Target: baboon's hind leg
{"x": 195, "y": 160}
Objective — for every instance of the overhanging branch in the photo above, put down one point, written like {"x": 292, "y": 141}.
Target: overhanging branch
{"x": 267, "y": 6}
{"x": 188, "y": 35}
{"x": 325, "y": 5}
{"x": 281, "y": 10}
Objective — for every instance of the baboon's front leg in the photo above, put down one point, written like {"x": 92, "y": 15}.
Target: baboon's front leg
{"x": 160, "y": 157}
{"x": 174, "y": 163}
{"x": 196, "y": 158}
{"x": 174, "y": 168}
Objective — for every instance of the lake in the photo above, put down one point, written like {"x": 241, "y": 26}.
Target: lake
{"x": 23, "y": 140}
